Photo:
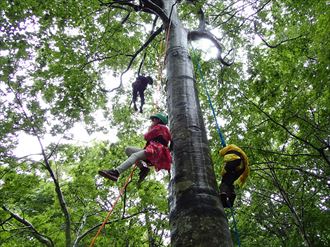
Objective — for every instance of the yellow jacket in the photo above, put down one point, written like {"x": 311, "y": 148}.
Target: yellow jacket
{"x": 230, "y": 157}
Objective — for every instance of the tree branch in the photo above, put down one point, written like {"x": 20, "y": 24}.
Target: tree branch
{"x": 145, "y": 53}
{"x": 49, "y": 169}
{"x": 202, "y": 22}
{"x": 267, "y": 43}
{"x": 83, "y": 223}
{"x": 319, "y": 150}
{"x": 146, "y": 6}
{"x": 288, "y": 167}
{"x": 157, "y": 9}
{"x": 120, "y": 4}
{"x": 203, "y": 34}
{"x": 297, "y": 220}
{"x": 40, "y": 237}
{"x": 133, "y": 57}
{"x": 79, "y": 238}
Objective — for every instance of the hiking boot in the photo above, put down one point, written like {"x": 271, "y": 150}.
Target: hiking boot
{"x": 110, "y": 174}
{"x": 143, "y": 173}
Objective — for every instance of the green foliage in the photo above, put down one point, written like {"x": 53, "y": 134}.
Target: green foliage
{"x": 273, "y": 102}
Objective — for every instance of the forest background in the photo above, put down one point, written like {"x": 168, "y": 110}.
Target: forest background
{"x": 269, "y": 85}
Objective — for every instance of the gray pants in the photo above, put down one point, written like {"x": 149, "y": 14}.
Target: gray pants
{"x": 135, "y": 154}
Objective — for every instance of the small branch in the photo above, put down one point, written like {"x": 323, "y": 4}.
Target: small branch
{"x": 296, "y": 218}
{"x": 144, "y": 46}
{"x": 147, "y": 7}
{"x": 196, "y": 35}
{"x": 225, "y": 10}
{"x": 202, "y": 22}
{"x": 120, "y": 4}
{"x": 60, "y": 196}
{"x": 230, "y": 11}
{"x": 83, "y": 223}
{"x": 145, "y": 53}
{"x": 4, "y": 222}
{"x": 125, "y": 18}
{"x": 319, "y": 150}
{"x": 151, "y": 7}
{"x": 98, "y": 59}
{"x": 124, "y": 201}
{"x": 282, "y": 153}
{"x": 142, "y": 62}
{"x": 79, "y": 238}
{"x": 276, "y": 45}
{"x": 41, "y": 238}
{"x": 286, "y": 168}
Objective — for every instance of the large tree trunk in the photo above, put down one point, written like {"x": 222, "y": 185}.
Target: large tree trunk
{"x": 196, "y": 214}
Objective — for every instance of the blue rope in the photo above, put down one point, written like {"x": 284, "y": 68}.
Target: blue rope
{"x": 235, "y": 225}
{"x": 223, "y": 142}
{"x": 222, "y": 139}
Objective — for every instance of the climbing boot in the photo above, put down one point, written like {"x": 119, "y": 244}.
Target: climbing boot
{"x": 143, "y": 173}
{"x": 110, "y": 174}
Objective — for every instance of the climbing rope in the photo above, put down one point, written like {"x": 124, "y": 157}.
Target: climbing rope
{"x": 157, "y": 93}
{"x": 222, "y": 139}
{"x": 113, "y": 206}
{"x": 235, "y": 224}
{"x": 161, "y": 64}
{"x": 223, "y": 142}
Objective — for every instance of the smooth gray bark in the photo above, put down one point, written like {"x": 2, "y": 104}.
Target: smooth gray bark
{"x": 196, "y": 214}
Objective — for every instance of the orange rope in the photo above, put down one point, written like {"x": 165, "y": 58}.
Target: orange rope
{"x": 161, "y": 64}
{"x": 159, "y": 78}
{"x": 113, "y": 206}
{"x": 167, "y": 38}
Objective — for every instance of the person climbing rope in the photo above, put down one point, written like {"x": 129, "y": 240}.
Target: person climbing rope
{"x": 155, "y": 153}
{"x": 138, "y": 87}
{"x": 235, "y": 171}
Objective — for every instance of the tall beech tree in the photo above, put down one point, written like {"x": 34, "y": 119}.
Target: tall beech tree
{"x": 268, "y": 77}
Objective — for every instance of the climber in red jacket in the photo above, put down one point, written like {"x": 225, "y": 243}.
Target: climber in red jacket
{"x": 155, "y": 153}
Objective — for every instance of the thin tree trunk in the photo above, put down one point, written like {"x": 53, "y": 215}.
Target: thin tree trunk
{"x": 196, "y": 214}
{"x": 151, "y": 239}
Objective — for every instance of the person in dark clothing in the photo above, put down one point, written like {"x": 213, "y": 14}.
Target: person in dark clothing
{"x": 139, "y": 86}
{"x": 235, "y": 171}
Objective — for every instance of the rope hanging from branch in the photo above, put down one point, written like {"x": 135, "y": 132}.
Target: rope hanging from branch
{"x": 223, "y": 142}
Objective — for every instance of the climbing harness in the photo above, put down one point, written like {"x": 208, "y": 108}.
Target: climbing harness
{"x": 128, "y": 180}
{"x": 223, "y": 142}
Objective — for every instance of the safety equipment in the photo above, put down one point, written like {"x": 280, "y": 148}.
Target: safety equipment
{"x": 161, "y": 117}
